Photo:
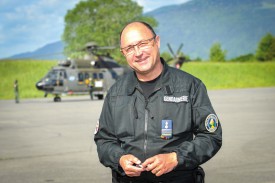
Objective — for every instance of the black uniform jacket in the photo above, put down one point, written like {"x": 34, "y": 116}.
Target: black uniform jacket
{"x": 130, "y": 124}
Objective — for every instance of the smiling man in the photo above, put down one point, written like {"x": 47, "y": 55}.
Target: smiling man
{"x": 157, "y": 123}
{"x": 140, "y": 46}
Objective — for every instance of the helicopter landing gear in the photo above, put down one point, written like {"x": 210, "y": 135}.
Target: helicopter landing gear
{"x": 57, "y": 99}
{"x": 100, "y": 97}
{"x": 91, "y": 95}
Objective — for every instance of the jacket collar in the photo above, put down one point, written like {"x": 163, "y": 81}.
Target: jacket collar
{"x": 165, "y": 82}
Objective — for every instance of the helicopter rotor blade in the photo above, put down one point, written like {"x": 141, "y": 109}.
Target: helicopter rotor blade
{"x": 92, "y": 46}
{"x": 180, "y": 47}
{"x": 170, "y": 49}
{"x": 106, "y": 47}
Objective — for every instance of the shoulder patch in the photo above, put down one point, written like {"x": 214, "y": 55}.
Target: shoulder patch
{"x": 211, "y": 123}
{"x": 96, "y": 127}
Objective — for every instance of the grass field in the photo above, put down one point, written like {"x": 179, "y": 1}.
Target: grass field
{"x": 233, "y": 75}
{"x": 27, "y": 73}
{"x": 214, "y": 75}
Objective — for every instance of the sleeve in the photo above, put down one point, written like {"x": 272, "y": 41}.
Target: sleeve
{"x": 108, "y": 147}
{"x": 207, "y": 132}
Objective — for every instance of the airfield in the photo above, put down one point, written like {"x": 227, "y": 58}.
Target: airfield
{"x": 46, "y": 142}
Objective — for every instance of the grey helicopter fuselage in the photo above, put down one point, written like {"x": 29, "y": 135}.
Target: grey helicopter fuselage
{"x": 80, "y": 77}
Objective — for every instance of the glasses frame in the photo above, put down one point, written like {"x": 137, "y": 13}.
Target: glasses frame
{"x": 137, "y": 44}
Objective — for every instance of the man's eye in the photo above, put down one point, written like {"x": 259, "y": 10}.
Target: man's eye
{"x": 129, "y": 49}
{"x": 142, "y": 44}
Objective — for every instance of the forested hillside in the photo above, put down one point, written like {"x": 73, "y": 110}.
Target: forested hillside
{"x": 238, "y": 25}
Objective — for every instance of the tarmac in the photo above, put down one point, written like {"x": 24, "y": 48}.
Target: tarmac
{"x": 46, "y": 142}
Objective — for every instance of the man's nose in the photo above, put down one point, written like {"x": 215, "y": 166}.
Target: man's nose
{"x": 137, "y": 50}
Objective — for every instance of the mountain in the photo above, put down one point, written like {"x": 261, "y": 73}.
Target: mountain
{"x": 238, "y": 25}
{"x": 52, "y": 51}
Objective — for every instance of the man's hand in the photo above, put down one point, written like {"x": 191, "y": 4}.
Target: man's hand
{"x": 129, "y": 165}
{"x": 161, "y": 163}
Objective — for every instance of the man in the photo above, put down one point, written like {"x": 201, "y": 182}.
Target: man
{"x": 16, "y": 91}
{"x": 157, "y": 123}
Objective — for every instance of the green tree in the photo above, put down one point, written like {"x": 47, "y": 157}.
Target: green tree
{"x": 197, "y": 59}
{"x": 266, "y": 48}
{"x": 100, "y": 21}
{"x": 216, "y": 53}
{"x": 166, "y": 56}
{"x": 244, "y": 58}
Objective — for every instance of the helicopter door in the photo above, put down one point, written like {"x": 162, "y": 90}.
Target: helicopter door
{"x": 83, "y": 82}
{"x": 61, "y": 80}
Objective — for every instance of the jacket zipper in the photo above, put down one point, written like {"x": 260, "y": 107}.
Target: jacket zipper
{"x": 146, "y": 128}
{"x": 146, "y": 123}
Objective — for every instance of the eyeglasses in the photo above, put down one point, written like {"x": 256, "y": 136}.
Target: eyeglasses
{"x": 142, "y": 45}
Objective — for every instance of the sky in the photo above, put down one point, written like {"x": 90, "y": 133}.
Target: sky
{"x": 29, "y": 25}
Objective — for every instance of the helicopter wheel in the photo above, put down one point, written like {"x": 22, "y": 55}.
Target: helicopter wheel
{"x": 57, "y": 99}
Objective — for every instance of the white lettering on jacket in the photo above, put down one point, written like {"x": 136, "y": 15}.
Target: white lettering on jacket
{"x": 175, "y": 99}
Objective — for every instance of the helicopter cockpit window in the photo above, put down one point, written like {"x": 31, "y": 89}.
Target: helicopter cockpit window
{"x": 57, "y": 74}
{"x": 52, "y": 75}
{"x": 80, "y": 77}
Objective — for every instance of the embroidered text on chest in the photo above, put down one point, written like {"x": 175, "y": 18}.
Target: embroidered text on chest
{"x": 175, "y": 99}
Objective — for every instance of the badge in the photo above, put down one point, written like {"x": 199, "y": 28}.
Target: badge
{"x": 96, "y": 127}
{"x": 166, "y": 129}
{"x": 211, "y": 123}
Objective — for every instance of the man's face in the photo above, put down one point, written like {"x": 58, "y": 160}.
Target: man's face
{"x": 142, "y": 60}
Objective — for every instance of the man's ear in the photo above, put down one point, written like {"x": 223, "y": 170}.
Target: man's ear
{"x": 158, "y": 41}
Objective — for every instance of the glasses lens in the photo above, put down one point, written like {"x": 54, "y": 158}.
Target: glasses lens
{"x": 142, "y": 45}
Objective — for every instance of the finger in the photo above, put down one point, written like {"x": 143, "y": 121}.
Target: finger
{"x": 127, "y": 163}
{"x": 152, "y": 166}
{"x": 133, "y": 174}
{"x": 132, "y": 160}
{"x": 159, "y": 173}
{"x": 148, "y": 161}
{"x": 155, "y": 165}
{"x": 136, "y": 161}
{"x": 133, "y": 171}
{"x": 129, "y": 160}
{"x": 155, "y": 170}
{"x": 149, "y": 164}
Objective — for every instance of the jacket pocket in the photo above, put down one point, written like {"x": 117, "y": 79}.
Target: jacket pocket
{"x": 124, "y": 117}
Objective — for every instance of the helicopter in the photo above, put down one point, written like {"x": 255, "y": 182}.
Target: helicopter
{"x": 93, "y": 75}
{"x": 178, "y": 58}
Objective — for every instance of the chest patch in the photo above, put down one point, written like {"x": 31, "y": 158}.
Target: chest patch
{"x": 175, "y": 99}
{"x": 166, "y": 129}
